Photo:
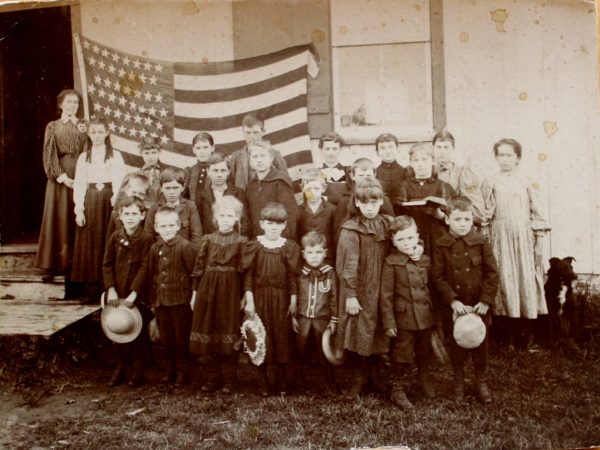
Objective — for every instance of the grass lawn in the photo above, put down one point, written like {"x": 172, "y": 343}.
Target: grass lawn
{"x": 544, "y": 399}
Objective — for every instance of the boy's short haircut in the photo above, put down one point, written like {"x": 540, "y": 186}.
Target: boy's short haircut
{"x": 149, "y": 143}
{"x": 313, "y": 174}
{"x": 401, "y": 223}
{"x": 368, "y": 190}
{"x": 266, "y": 145}
{"x": 137, "y": 176}
{"x": 165, "y": 211}
{"x": 250, "y": 120}
{"x": 203, "y": 136}
{"x": 172, "y": 174}
{"x": 421, "y": 147}
{"x": 129, "y": 200}
{"x": 459, "y": 203}
{"x": 331, "y": 137}
{"x": 217, "y": 158}
{"x": 385, "y": 137}
{"x": 312, "y": 239}
{"x": 274, "y": 212}
{"x": 443, "y": 135}
{"x": 227, "y": 202}
{"x": 363, "y": 164}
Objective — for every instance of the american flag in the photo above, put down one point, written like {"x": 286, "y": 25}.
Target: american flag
{"x": 142, "y": 97}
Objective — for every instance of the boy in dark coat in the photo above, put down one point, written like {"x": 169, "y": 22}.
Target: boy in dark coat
{"x": 172, "y": 184}
{"x": 389, "y": 173}
{"x": 407, "y": 308}
{"x": 216, "y": 187}
{"x": 269, "y": 185}
{"x": 465, "y": 276}
{"x": 152, "y": 168}
{"x": 167, "y": 272}
{"x": 196, "y": 176}
{"x": 126, "y": 249}
{"x": 316, "y": 213}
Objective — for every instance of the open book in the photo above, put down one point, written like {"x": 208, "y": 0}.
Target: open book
{"x": 431, "y": 201}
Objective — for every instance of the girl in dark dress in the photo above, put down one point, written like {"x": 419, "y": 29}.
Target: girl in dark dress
{"x": 425, "y": 183}
{"x": 271, "y": 286}
{"x": 63, "y": 140}
{"x": 217, "y": 294}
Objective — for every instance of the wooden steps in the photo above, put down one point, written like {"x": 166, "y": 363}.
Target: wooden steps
{"x": 28, "y": 305}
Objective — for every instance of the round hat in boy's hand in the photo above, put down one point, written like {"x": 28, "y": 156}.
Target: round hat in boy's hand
{"x": 121, "y": 324}
{"x": 254, "y": 337}
{"x": 469, "y": 330}
{"x": 334, "y": 357}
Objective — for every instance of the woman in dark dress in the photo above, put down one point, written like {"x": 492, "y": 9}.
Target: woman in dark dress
{"x": 63, "y": 140}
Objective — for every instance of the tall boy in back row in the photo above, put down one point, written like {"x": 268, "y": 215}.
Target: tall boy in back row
{"x": 465, "y": 276}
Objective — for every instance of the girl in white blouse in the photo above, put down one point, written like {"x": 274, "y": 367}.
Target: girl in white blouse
{"x": 98, "y": 175}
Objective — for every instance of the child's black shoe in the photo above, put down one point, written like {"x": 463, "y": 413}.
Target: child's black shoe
{"x": 483, "y": 392}
{"x": 137, "y": 379}
{"x": 117, "y": 377}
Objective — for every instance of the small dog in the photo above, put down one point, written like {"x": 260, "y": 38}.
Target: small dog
{"x": 560, "y": 299}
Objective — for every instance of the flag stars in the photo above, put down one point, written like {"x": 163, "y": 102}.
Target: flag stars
{"x": 92, "y": 61}
{"x": 122, "y": 101}
{"x": 141, "y": 109}
{"x": 148, "y": 96}
{"x": 86, "y": 44}
{"x": 132, "y": 132}
{"x": 137, "y": 64}
{"x": 107, "y": 110}
{"x": 132, "y": 105}
{"x": 112, "y": 126}
{"x": 105, "y": 52}
{"x": 143, "y": 78}
{"x": 131, "y": 76}
{"x": 91, "y": 88}
{"x": 117, "y": 114}
{"x": 112, "y": 97}
{"x": 158, "y": 68}
{"x": 126, "y": 91}
{"x": 147, "y": 66}
{"x": 152, "y": 111}
{"x": 121, "y": 72}
{"x": 95, "y": 48}
{"x": 159, "y": 126}
{"x": 153, "y": 80}
{"x": 143, "y": 133}
{"x": 116, "y": 85}
{"x": 163, "y": 112}
{"x": 115, "y": 57}
{"x": 101, "y": 64}
{"x": 164, "y": 139}
{"x": 137, "y": 119}
{"x": 147, "y": 121}
{"x": 158, "y": 98}
{"x": 107, "y": 83}
{"x": 111, "y": 69}
{"x": 126, "y": 61}
{"x": 98, "y": 79}
{"x": 127, "y": 117}
{"x": 101, "y": 93}
{"x": 122, "y": 129}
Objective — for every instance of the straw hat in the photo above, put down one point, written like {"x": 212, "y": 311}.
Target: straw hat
{"x": 335, "y": 357}
{"x": 254, "y": 337}
{"x": 469, "y": 330}
{"x": 120, "y": 324}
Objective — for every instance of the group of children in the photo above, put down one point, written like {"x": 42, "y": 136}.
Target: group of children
{"x": 197, "y": 247}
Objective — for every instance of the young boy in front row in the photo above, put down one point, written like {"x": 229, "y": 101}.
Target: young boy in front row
{"x": 172, "y": 184}
{"x": 407, "y": 308}
{"x": 167, "y": 270}
{"x": 465, "y": 276}
{"x": 317, "y": 299}
{"x": 126, "y": 248}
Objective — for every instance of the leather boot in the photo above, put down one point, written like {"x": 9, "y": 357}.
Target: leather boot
{"x": 169, "y": 376}
{"x": 137, "y": 378}
{"x": 376, "y": 377}
{"x": 399, "y": 397}
{"x": 229, "y": 372}
{"x": 117, "y": 377}
{"x": 458, "y": 388}
{"x": 425, "y": 380}
{"x": 182, "y": 374}
{"x": 264, "y": 384}
{"x": 358, "y": 384}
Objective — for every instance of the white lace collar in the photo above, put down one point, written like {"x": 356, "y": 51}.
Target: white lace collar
{"x": 262, "y": 239}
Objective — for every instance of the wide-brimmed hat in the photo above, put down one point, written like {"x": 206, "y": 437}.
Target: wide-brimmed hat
{"x": 469, "y": 330}
{"x": 254, "y": 337}
{"x": 335, "y": 357}
{"x": 120, "y": 324}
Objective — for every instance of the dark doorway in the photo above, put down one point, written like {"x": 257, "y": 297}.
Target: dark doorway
{"x": 35, "y": 64}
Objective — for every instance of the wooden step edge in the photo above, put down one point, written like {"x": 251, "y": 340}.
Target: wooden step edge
{"x": 29, "y": 278}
